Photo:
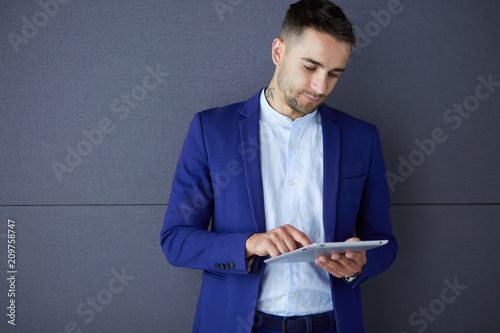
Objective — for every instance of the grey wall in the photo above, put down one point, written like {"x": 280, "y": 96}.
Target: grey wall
{"x": 89, "y": 141}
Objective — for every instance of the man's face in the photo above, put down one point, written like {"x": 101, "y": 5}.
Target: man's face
{"x": 310, "y": 70}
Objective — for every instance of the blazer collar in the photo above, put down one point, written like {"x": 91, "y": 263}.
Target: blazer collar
{"x": 252, "y": 106}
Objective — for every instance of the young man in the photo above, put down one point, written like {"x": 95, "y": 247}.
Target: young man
{"x": 273, "y": 174}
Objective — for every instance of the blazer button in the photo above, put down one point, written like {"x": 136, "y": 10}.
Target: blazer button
{"x": 217, "y": 266}
{"x": 231, "y": 265}
{"x": 227, "y": 265}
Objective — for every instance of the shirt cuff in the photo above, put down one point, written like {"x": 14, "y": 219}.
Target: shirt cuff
{"x": 249, "y": 263}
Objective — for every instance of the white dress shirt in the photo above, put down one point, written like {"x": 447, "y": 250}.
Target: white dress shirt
{"x": 292, "y": 179}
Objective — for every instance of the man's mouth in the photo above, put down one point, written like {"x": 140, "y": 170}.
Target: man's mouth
{"x": 311, "y": 99}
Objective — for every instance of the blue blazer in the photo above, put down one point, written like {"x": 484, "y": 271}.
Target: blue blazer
{"x": 216, "y": 203}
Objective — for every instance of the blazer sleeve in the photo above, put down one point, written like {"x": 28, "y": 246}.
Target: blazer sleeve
{"x": 185, "y": 238}
{"x": 373, "y": 221}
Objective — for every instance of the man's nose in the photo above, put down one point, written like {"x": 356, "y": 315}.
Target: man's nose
{"x": 319, "y": 83}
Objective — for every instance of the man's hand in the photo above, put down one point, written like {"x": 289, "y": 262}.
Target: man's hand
{"x": 343, "y": 265}
{"x": 275, "y": 242}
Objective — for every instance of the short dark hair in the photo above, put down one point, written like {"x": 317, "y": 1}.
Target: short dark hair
{"x": 321, "y": 15}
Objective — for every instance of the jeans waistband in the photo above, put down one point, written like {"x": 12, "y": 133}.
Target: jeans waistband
{"x": 297, "y": 324}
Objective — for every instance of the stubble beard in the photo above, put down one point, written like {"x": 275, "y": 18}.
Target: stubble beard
{"x": 285, "y": 84}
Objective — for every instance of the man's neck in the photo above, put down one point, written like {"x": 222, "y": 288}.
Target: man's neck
{"x": 274, "y": 101}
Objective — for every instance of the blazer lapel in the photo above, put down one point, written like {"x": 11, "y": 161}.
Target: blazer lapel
{"x": 331, "y": 170}
{"x": 250, "y": 144}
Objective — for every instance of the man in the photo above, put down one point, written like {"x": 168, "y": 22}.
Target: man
{"x": 273, "y": 174}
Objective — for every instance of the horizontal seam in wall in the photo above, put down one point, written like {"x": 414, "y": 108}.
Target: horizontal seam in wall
{"x": 83, "y": 205}
{"x": 446, "y": 204}
{"x": 165, "y": 205}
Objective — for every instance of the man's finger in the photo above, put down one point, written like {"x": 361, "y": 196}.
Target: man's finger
{"x": 298, "y": 236}
{"x": 354, "y": 255}
{"x": 283, "y": 240}
{"x": 346, "y": 263}
{"x": 333, "y": 267}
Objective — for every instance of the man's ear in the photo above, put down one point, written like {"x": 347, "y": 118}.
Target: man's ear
{"x": 278, "y": 51}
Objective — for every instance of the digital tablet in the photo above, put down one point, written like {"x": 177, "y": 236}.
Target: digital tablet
{"x": 311, "y": 252}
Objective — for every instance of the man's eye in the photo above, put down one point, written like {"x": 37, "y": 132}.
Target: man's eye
{"x": 308, "y": 68}
{"x": 335, "y": 76}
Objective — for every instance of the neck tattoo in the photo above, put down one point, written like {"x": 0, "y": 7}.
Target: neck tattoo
{"x": 270, "y": 93}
